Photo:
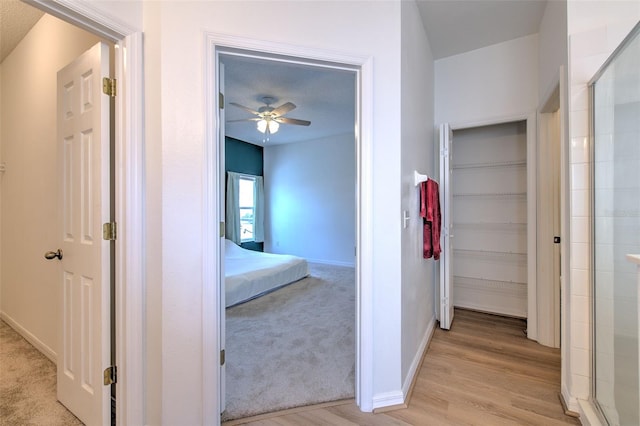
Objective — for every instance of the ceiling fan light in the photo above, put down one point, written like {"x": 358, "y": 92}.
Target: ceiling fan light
{"x": 267, "y": 125}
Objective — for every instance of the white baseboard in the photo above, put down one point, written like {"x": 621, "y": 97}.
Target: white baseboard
{"x": 398, "y": 398}
{"x": 388, "y": 399}
{"x": 415, "y": 364}
{"x": 29, "y": 337}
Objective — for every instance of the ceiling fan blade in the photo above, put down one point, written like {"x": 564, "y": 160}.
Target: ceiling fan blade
{"x": 283, "y": 109}
{"x": 244, "y": 119}
{"x": 287, "y": 120}
{"x": 244, "y": 108}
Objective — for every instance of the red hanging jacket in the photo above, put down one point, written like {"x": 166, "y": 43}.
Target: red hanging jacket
{"x": 430, "y": 212}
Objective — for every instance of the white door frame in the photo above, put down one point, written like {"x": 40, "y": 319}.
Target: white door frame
{"x": 550, "y": 285}
{"x": 212, "y": 217}
{"x": 129, "y": 170}
{"x": 531, "y": 120}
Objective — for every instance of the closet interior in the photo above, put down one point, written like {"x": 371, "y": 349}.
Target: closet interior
{"x": 489, "y": 183}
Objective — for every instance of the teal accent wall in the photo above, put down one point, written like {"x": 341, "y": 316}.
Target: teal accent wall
{"x": 243, "y": 157}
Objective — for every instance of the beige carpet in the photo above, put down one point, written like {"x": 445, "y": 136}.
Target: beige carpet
{"x": 292, "y": 347}
{"x": 28, "y": 385}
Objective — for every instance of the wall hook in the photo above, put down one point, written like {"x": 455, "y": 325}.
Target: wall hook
{"x": 419, "y": 178}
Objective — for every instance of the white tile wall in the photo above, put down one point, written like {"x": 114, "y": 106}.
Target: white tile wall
{"x": 587, "y": 52}
{"x": 579, "y": 201}
{"x": 579, "y": 150}
{"x": 580, "y": 175}
{"x": 579, "y": 256}
{"x": 580, "y": 283}
{"x": 580, "y": 385}
{"x": 580, "y": 332}
{"x": 580, "y": 361}
{"x": 580, "y": 228}
{"x": 578, "y": 313}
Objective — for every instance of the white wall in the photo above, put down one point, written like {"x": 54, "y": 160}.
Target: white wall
{"x": 154, "y": 246}
{"x": 174, "y": 63}
{"x": 417, "y": 299}
{"x": 310, "y": 199}
{"x": 595, "y": 30}
{"x": 490, "y": 83}
{"x": 30, "y": 284}
{"x": 552, "y": 38}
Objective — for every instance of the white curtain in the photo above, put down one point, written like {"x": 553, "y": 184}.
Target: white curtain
{"x": 258, "y": 230}
{"x": 233, "y": 208}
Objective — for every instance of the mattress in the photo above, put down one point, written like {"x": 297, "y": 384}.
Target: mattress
{"x": 250, "y": 274}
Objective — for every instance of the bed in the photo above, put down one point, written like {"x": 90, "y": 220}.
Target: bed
{"x": 250, "y": 274}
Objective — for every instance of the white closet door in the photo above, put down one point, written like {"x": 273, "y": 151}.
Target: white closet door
{"x": 446, "y": 259}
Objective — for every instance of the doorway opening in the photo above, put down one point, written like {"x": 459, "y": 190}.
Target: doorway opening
{"x": 301, "y": 207}
{"x": 489, "y": 209}
{"x": 488, "y": 171}
{"x": 215, "y": 214}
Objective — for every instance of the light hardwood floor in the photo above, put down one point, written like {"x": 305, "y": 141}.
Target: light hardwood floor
{"x": 484, "y": 371}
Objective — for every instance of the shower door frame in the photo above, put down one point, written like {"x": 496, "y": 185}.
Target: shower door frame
{"x": 635, "y": 32}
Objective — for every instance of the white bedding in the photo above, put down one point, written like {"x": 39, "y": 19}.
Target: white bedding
{"x": 249, "y": 274}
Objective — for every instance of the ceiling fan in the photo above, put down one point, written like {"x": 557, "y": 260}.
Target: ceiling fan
{"x": 269, "y": 118}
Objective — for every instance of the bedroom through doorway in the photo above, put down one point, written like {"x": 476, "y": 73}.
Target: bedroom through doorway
{"x": 289, "y": 161}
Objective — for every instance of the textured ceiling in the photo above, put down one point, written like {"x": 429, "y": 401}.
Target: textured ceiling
{"x": 326, "y": 97}
{"x": 16, "y": 19}
{"x": 458, "y": 26}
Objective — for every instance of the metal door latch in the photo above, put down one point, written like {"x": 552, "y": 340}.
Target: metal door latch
{"x": 50, "y": 255}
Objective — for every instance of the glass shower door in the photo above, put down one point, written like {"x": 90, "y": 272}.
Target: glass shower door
{"x": 616, "y": 162}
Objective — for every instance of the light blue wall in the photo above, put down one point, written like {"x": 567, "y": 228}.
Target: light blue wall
{"x": 310, "y": 199}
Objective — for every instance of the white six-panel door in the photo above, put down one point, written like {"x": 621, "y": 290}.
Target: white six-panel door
{"x": 446, "y": 262}
{"x": 83, "y": 159}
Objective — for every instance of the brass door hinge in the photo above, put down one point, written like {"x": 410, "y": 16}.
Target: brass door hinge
{"x": 222, "y": 357}
{"x": 221, "y": 100}
{"x": 109, "y": 86}
{"x": 110, "y": 375}
{"x": 222, "y": 230}
{"x": 109, "y": 231}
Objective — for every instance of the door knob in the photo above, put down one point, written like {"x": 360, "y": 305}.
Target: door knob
{"x": 50, "y": 255}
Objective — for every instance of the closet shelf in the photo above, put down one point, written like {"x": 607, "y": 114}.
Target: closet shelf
{"x": 488, "y": 284}
{"x": 490, "y": 253}
{"x": 481, "y": 279}
{"x": 500, "y": 226}
{"x": 493, "y": 195}
{"x": 489, "y": 165}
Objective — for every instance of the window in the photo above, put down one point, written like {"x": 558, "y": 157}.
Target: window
{"x": 244, "y": 208}
{"x": 247, "y": 205}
